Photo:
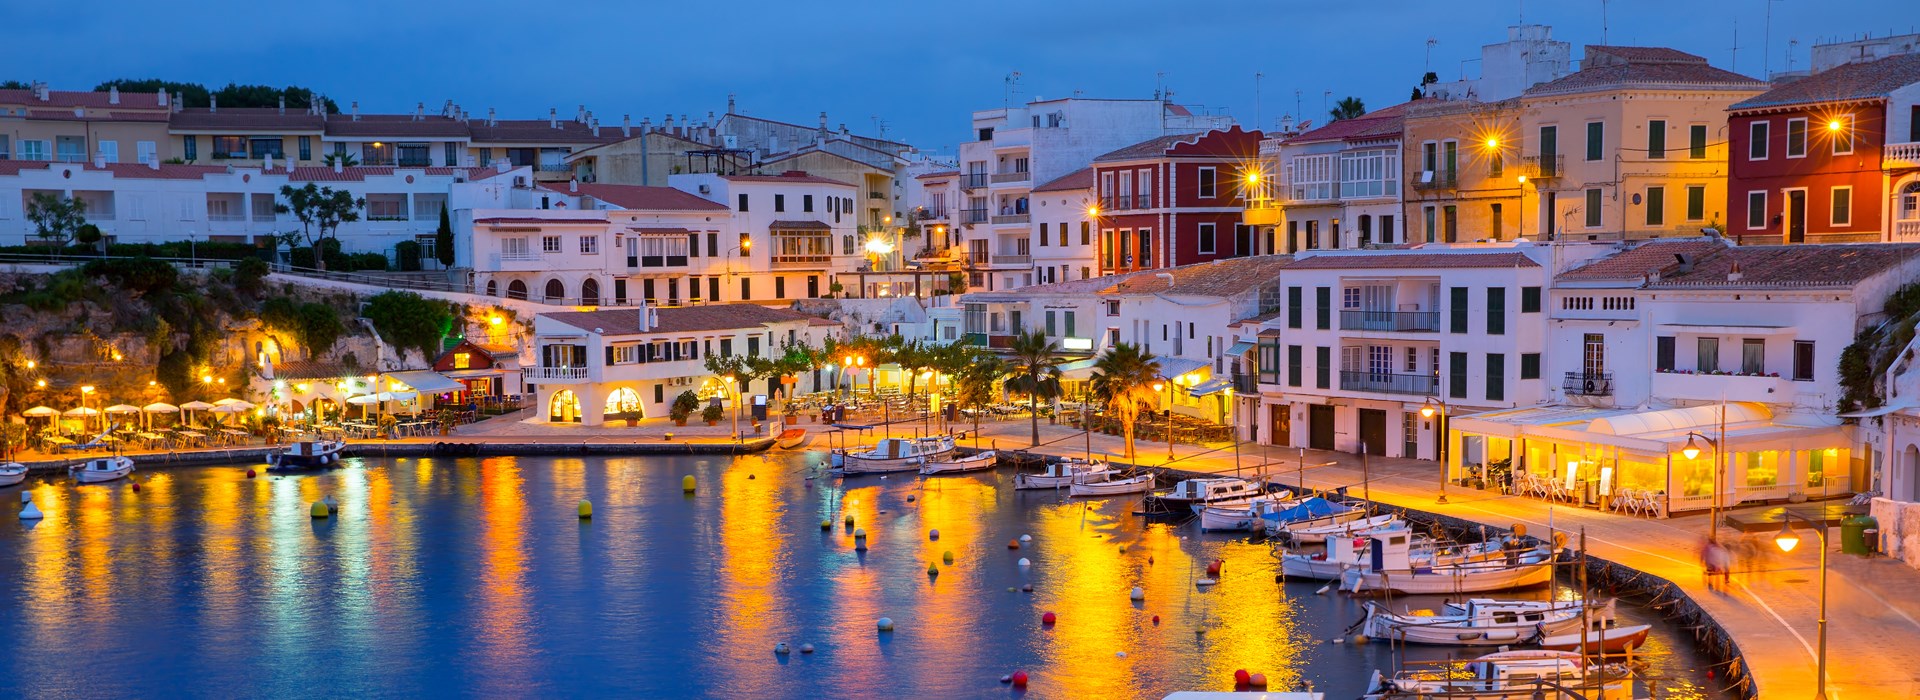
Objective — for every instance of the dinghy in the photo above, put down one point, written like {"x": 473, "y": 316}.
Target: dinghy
{"x": 896, "y": 455}
{"x": 791, "y": 438}
{"x": 1112, "y": 487}
{"x": 1064, "y": 474}
{"x": 1481, "y": 622}
{"x": 1390, "y": 568}
{"x": 955, "y": 465}
{"x": 101, "y": 469}
{"x": 1304, "y": 533}
{"x": 306, "y": 454}
{"x": 12, "y": 473}
{"x": 1607, "y": 640}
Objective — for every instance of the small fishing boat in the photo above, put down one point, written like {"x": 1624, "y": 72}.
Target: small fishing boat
{"x": 12, "y": 473}
{"x": 1306, "y": 513}
{"x": 1188, "y": 495}
{"x": 1343, "y": 553}
{"x": 306, "y": 454}
{"x": 1246, "y": 517}
{"x": 1303, "y": 533}
{"x": 1506, "y": 675}
{"x": 1390, "y": 568}
{"x": 1113, "y": 487}
{"x": 99, "y": 469}
{"x": 896, "y": 455}
{"x": 1606, "y": 640}
{"x": 955, "y": 465}
{"x": 1481, "y": 622}
{"x": 1063, "y": 474}
{"x": 791, "y": 438}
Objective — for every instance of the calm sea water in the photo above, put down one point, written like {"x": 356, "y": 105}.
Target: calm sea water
{"x": 474, "y": 577}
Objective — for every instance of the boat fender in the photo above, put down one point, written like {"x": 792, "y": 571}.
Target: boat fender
{"x": 780, "y": 649}
{"x": 885, "y": 624}
{"x": 933, "y": 535}
{"x": 806, "y": 648}
{"x": 1137, "y": 593}
{"x": 1024, "y": 563}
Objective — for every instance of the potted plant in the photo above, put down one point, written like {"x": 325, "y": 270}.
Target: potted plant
{"x": 448, "y": 419}
{"x": 712, "y": 413}
{"x": 387, "y": 423}
{"x": 683, "y": 407}
{"x": 631, "y": 417}
{"x": 270, "y": 428}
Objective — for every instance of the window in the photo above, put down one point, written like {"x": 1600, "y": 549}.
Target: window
{"x": 1757, "y": 141}
{"x": 1146, "y": 247}
{"x": 1696, "y": 202}
{"x": 1113, "y": 307}
{"x": 806, "y": 202}
{"x": 1529, "y": 300}
{"x": 779, "y": 203}
{"x": 189, "y": 148}
{"x": 713, "y": 288}
{"x": 1323, "y": 308}
{"x": 1413, "y": 360}
{"x": 589, "y": 245}
{"x": 549, "y": 244}
{"x": 1086, "y": 234}
{"x": 624, "y": 354}
{"x": 1053, "y": 331}
{"x": 1656, "y": 206}
{"x": 1068, "y": 320}
{"x": 1697, "y": 141}
{"x": 726, "y": 347}
{"x": 1753, "y": 356}
{"x": 1043, "y": 234}
{"x": 1496, "y": 377}
{"x": 743, "y": 201}
{"x": 1457, "y": 375}
{"x": 1707, "y": 354}
{"x": 1596, "y": 138}
{"x": 1457, "y": 310}
{"x": 1842, "y": 206}
{"x": 1063, "y": 237}
{"x": 1663, "y": 353}
{"x": 1657, "y": 139}
{"x": 1206, "y": 183}
{"x": 746, "y": 289}
{"x": 1429, "y": 211}
{"x": 1757, "y": 209}
{"x": 1323, "y": 367}
{"x": 1294, "y": 302}
{"x": 1593, "y": 208}
{"x": 1496, "y": 311}
{"x": 779, "y": 287}
{"x": 1803, "y": 360}
{"x": 1530, "y": 365}
{"x": 1841, "y": 129}
{"x": 713, "y": 244}
{"x": 1293, "y": 365}
{"x": 1797, "y": 137}
{"x": 1493, "y": 214}
{"x": 1206, "y": 237}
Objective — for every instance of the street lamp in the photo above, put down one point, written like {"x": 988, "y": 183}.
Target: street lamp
{"x": 1787, "y": 540}
{"x": 85, "y": 423}
{"x": 1692, "y": 451}
{"x": 1428, "y": 410}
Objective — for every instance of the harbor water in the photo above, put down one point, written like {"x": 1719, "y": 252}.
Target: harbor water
{"x": 476, "y": 577}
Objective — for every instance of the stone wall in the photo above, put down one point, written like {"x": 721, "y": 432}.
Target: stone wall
{"x": 1899, "y": 529}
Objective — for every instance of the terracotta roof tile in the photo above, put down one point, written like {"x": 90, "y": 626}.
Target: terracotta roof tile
{"x": 1222, "y": 278}
{"x": 1800, "y": 265}
{"x": 1081, "y": 179}
{"x": 941, "y": 174}
{"x": 681, "y": 319}
{"x": 1156, "y": 146}
{"x": 539, "y": 131}
{"x": 1381, "y": 123}
{"x": 1853, "y": 81}
{"x": 396, "y": 125}
{"x": 793, "y": 177}
{"x": 1414, "y": 261}
{"x": 1641, "y": 260}
{"x": 75, "y": 98}
{"x": 246, "y": 119}
{"x": 1614, "y": 67}
{"x": 643, "y": 197}
{"x": 799, "y": 225}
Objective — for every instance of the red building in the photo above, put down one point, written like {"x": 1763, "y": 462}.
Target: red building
{"x": 1828, "y": 158}
{"x": 1174, "y": 200}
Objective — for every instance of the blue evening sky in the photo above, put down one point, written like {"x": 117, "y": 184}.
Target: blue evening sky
{"x": 917, "y": 66}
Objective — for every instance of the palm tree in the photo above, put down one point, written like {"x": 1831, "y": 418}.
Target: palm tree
{"x": 973, "y": 384}
{"x": 913, "y": 358}
{"x": 952, "y": 360}
{"x": 1348, "y": 108}
{"x": 1035, "y": 370}
{"x": 1123, "y": 377}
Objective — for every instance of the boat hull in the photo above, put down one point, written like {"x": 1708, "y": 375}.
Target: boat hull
{"x": 972, "y": 463}
{"x": 324, "y": 455}
{"x": 1450, "y": 580}
{"x": 1353, "y": 527}
{"x": 1038, "y": 481}
{"x": 791, "y": 438}
{"x": 118, "y": 468}
{"x": 11, "y": 474}
{"x": 1121, "y": 487}
{"x": 1464, "y": 631}
{"x": 1612, "y": 640}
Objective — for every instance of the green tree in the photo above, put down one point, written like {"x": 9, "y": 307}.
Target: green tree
{"x": 410, "y": 321}
{"x": 320, "y": 210}
{"x": 1348, "y": 108}
{"x": 973, "y": 385}
{"x": 88, "y": 235}
{"x": 235, "y": 95}
{"x": 56, "y": 218}
{"x": 191, "y": 94}
{"x": 443, "y": 240}
{"x": 1034, "y": 369}
{"x": 913, "y": 358}
{"x": 342, "y": 159}
{"x": 15, "y": 85}
{"x": 1123, "y": 379}
{"x": 952, "y": 360}
{"x": 737, "y": 368}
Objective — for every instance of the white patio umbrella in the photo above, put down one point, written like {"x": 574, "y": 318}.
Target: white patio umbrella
{"x": 242, "y": 407}
{"x": 157, "y": 408}
{"x": 81, "y": 412}
{"x": 192, "y": 406}
{"x": 40, "y": 412}
{"x": 232, "y": 401}
{"x": 122, "y": 410}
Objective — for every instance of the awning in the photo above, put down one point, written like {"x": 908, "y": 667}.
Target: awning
{"x": 426, "y": 381}
{"x": 1239, "y": 347}
{"x": 1881, "y": 411}
{"x": 792, "y": 225}
{"x": 658, "y": 231}
{"x": 1171, "y": 367}
{"x": 1270, "y": 333}
{"x": 1211, "y": 387}
{"x": 1077, "y": 370}
{"x": 473, "y": 373}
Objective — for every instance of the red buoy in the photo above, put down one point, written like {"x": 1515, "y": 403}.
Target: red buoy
{"x": 249, "y": 473}
{"x": 1046, "y": 618}
{"x": 1213, "y": 568}
{"x": 1258, "y": 680}
{"x": 1156, "y": 619}
{"x": 1019, "y": 679}
{"x": 136, "y": 487}
{"x": 1013, "y": 544}
{"x": 1241, "y": 678}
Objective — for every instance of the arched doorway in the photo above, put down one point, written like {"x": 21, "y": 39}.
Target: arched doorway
{"x": 590, "y": 292}
{"x": 517, "y": 290}
{"x": 493, "y": 289}
{"x": 556, "y": 292}
{"x": 624, "y": 401}
{"x": 564, "y": 407}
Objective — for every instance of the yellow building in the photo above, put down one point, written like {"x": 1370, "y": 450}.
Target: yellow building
{"x": 77, "y": 127}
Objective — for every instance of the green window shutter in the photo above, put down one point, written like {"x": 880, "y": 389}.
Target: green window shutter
{"x": 1457, "y": 310}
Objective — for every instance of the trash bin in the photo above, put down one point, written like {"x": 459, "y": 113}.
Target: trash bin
{"x": 1858, "y": 534}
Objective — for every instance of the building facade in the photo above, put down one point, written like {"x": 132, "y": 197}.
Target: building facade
{"x": 1174, "y": 200}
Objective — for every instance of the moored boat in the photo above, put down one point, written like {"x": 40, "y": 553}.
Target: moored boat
{"x": 896, "y": 455}
{"x": 12, "y": 473}
{"x": 1064, "y": 474}
{"x": 1480, "y": 622}
{"x": 1607, "y": 640}
{"x": 1506, "y": 675}
{"x": 1308, "y": 533}
{"x": 1186, "y": 495}
{"x": 1237, "y": 517}
{"x": 1390, "y": 569}
{"x": 791, "y": 438}
{"x": 955, "y": 465}
{"x": 307, "y": 454}
{"x": 1343, "y": 553}
{"x": 1305, "y": 513}
{"x": 99, "y": 469}
{"x": 1113, "y": 487}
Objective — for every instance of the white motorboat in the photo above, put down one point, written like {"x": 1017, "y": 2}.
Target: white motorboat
{"x": 1608, "y": 640}
{"x": 1228, "y": 516}
{"x": 1312, "y": 511}
{"x": 955, "y": 465}
{"x": 1064, "y": 474}
{"x": 896, "y": 455}
{"x": 99, "y": 469}
{"x": 307, "y": 454}
{"x": 1506, "y": 675}
{"x": 1304, "y": 533}
{"x": 1185, "y": 496}
{"x": 1113, "y": 487}
{"x": 12, "y": 473}
{"x": 1390, "y": 568}
{"x": 1480, "y": 622}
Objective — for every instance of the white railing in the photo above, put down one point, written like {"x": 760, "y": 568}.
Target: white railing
{"x": 1908, "y": 152}
{"x": 1906, "y": 231}
{"x": 549, "y": 374}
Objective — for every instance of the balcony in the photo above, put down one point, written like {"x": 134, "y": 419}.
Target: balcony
{"x": 1906, "y": 232}
{"x": 1708, "y": 388}
{"x": 1021, "y": 218}
{"x": 1900, "y": 155}
{"x": 871, "y": 194}
{"x": 1543, "y": 166}
{"x": 1389, "y": 383}
{"x": 1436, "y": 180}
{"x": 1390, "y": 321}
{"x": 973, "y": 216}
{"x": 978, "y": 257}
{"x": 1262, "y": 212}
{"x": 1012, "y": 259}
{"x": 1587, "y": 384}
{"x": 1006, "y": 178}
{"x": 973, "y": 181}
{"x": 556, "y": 375}
{"x": 1245, "y": 384}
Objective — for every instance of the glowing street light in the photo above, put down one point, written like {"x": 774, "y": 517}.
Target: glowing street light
{"x": 1833, "y": 125}
{"x": 1787, "y": 540}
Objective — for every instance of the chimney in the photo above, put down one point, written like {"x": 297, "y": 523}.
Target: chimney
{"x": 573, "y": 185}
{"x": 154, "y": 163}
{"x": 337, "y": 168}
{"x": 283, "y": 104}
{"x": 41, "y": 92}
{"x": 823, "y": 122}
{"x": 179, "y": 101}
{"x": 580, "y": 115}
{"x": 113, "y": 95}
{"x": 626, "y": 125}
{"x": 163, "y": 98}
{"x": 356, "y": 110}
{"x": 489, "y": 116}
{"x": 419, "y": 111}
{"x": 1733, "y": 273}
{"x": 1682, "y": 262}
{"x": 730, "y": 103}
{"x": 595, "y": 127}
{"x": 667, "y": 126}
{"x": 213, "y": 103}
{"x": 553, "y": 118}
{"x": 100, "y": 161}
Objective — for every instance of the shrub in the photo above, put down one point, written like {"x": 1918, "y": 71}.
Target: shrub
{"x": 142, "y": 275}
{"x": 250, "y": 275}
{"x": 712, "y": 413}
{"x": 407, "y": 256}
{"x": 408, "y": 320}
{"x": 683, "y": 405}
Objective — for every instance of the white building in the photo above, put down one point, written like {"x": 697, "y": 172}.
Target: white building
{"x": 1065, "y": 245}
{"x": 1015, "y": 148}
{"x": 798, "y": 230}
{"x": 1334, "y": 187}
{"x": 595, "y": 364}
{"x": 1528, "y": 57}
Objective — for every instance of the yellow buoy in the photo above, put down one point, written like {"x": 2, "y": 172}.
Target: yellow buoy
{"x": 586, "y": 509}
{"x": 686, "y": 483}
{"x": 933, "y": 569}
{"x": 947, "y": 558}
{"x": 320, "y": 510}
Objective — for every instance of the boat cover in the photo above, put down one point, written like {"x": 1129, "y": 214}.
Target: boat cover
{"x": 1308, "y": 509}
